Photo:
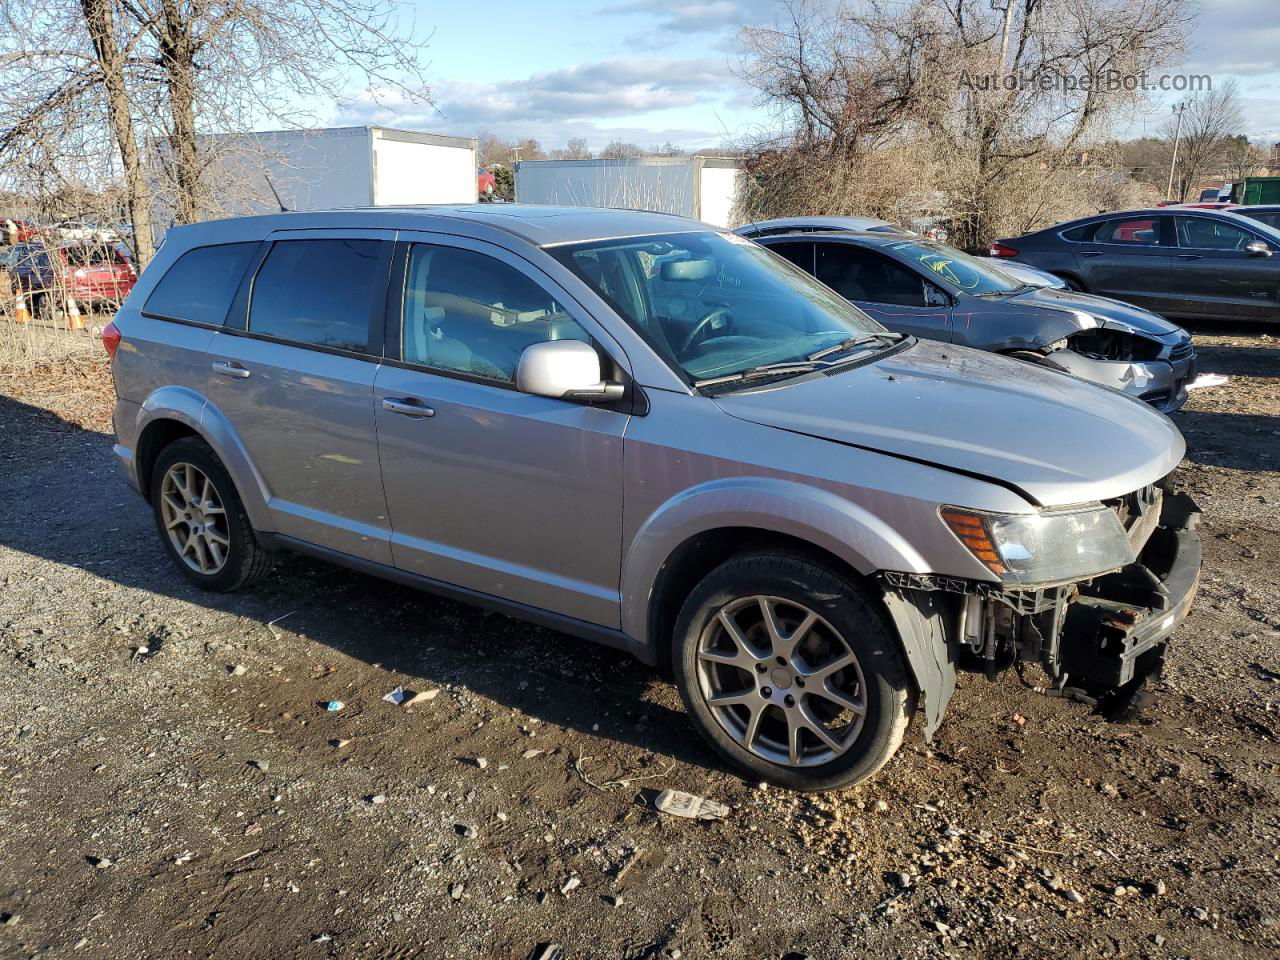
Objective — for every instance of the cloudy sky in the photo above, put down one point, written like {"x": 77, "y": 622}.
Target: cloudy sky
{"x": 652, "y": 71}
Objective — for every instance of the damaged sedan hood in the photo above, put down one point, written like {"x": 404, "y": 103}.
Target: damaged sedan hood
{"x": 1055, "y": 439}
{"x": 1116, "y": 315}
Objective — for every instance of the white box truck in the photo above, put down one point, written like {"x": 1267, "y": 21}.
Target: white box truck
{"x": 249, "y": 173}
{"x": 705, "y": 188}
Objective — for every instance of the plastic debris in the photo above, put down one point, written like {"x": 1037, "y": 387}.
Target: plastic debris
{"x": 422, "y": 696}
{"x": 1207, "y": 380}
{"x": 681, "y": 804}
{"x": 547, "y": 951}
{"x": 333, "y": 706}
{"x": 396, "y": 696}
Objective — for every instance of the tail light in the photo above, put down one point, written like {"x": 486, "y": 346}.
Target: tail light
{"x": 1000, "y": 250}
{"x": 111, "y": 337}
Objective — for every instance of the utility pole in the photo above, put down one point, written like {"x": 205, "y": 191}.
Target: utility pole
{"x": 1179, "y": 109}
{"x": 1004, "y": 32}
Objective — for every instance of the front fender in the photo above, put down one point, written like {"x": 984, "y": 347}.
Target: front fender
{"x": 999, "y": 331}
{"x": 864, "y": 541}
{"x": 194, "y": 411}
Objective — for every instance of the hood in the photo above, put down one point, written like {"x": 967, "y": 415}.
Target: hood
{"x": 1117, "y": 315}
{"x": 1056, "y": 439}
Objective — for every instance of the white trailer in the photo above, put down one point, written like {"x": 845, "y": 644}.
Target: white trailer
{"x": 328, "y": 168}
{"x": 705, "y": 188}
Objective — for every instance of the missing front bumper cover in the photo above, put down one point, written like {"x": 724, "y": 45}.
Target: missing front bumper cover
{"x": 1101, "y": 634}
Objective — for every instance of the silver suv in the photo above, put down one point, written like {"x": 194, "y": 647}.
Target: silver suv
{"x": 655, "y": 434}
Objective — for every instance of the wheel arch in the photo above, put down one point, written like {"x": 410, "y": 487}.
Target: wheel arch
{"x": 172, "y": 413}
{"x": 699, "y": 528}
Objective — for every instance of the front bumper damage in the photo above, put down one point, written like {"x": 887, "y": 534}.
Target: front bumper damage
{"x": 1161, "y": 383}
{"x": 1095, "y": 639}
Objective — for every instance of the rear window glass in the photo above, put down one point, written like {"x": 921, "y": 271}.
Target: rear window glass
{"x": 319, "y": 292}
{"x": 1079, "y": 234}
{"x": 1138, "y": 232}
{"x": 200, "y": 285}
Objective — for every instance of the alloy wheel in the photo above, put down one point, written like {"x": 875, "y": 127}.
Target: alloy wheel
{"x": 194, "y": 518}
{"x": 781, "y": 681}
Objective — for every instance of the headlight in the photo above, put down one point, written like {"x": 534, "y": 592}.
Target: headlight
{"x": 1043, "y": 547}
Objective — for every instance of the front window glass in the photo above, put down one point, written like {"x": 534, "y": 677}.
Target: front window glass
{"x": 1206, "y": 233}
{"x": 466, "y": 312}
{"x": 713, "y": 304}
{"x": 973, "y": 276}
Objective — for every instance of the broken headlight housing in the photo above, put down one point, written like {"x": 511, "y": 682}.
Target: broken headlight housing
{"x": 1048, "y": 547}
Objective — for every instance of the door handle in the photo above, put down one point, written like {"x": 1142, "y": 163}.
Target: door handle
{"x": 1090, "y": 253}
{"x": 407, "y": 406}
{"x": 1189, "y": 256}
{"x": 230, "y": 369}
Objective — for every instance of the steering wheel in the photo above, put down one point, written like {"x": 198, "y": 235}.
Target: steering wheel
{"x": 719, "y": 313}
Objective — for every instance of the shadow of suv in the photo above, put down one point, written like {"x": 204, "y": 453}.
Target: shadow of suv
{"x": 660, "y": 436}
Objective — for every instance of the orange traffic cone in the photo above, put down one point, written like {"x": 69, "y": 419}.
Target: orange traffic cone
{"x": 20, "y": 311}
{"x": 74, "y": 320}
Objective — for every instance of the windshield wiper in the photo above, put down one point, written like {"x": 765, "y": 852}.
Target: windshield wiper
{"x": 852, "y": 342}
{"x": 815, "y": 361}
{"x": 763, "y": 370}
{"x": 1023, "y": 288}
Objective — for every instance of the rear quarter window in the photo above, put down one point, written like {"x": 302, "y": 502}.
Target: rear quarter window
{"x": 201, "y": 283}
{"x": 1080, "y": 234}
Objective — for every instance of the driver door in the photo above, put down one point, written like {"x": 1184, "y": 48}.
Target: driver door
{"x": 498, "y": 492}
{"x": 892, "y": 293}
{"x": 1213, "y": 275}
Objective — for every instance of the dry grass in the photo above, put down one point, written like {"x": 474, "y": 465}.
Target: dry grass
{"x": 64, "y": 371}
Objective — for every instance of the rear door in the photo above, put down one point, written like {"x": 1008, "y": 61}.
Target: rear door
{"x": 889, "y": 291}
{"x": 1214, "y": 276}
{"x": 489, "y": 489}
{"x": 293, "y": 372}
{"x": 1129, "y": 258}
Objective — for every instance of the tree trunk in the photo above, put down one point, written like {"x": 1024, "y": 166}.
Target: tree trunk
{"x": 100, "y": 20}
{"x": 177, "y": 56}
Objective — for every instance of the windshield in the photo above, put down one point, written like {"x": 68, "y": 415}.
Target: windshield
{"x": 714, "y": 305}
{"x": 973, "y": 276}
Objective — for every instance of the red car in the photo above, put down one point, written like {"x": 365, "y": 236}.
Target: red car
{"x": 89, "y": 274}
{"x": 486, "y": 183}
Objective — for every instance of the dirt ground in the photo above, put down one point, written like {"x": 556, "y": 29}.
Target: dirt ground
{"x": 173, "y": 785}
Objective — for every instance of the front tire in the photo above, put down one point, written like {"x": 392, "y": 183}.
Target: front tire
{"x": 201, "y": 520}
{"x": 792, "y": 672}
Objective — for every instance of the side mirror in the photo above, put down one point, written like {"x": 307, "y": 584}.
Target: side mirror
{"x": 564, "y": 370}
{"x": 1257, "y": 248}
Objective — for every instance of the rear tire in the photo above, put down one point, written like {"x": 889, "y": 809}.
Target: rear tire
{"x": 769, "y": 648}
{"x": 201, "y": 520}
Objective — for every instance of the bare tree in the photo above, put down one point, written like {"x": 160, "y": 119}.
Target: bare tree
{"x": 621, "y": 150}
{"x": 235, "y": 62}
{"x": 99, "y": 91}
{"x": 1241, "y": 158}
{"x": 1209, "y": 126}
{"x": 67, "y": 116}
{"x": 985, "y": 96}
{"x": 575, "y": 149}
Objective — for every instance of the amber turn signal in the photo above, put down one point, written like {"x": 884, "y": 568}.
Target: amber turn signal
{"x": 973, "y": 533}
